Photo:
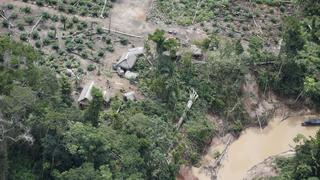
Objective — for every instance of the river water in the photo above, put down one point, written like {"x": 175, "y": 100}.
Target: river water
{"x": 255, "y": 145}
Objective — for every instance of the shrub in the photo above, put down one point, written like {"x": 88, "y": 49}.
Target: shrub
{"x": 101, "y": 53}
{"x": 71, "y": 9}
{"x": 69, "y": 46}
{"x": 53, "y": 2}
{"x": 124, "y": 41}
{"x": 5, "y": 23}
{"x": 68, "y": 64}
{"x": 52, "y": 27}
{"x": 35, "y": 35}
{"x": 54, "y": 18}
{"x": 24, "y": 36}
{"x": 78, "y": 40}
{"x": 29, "y": 19}
{"x": 80, "y": 27}
{"x": 61, "y": 6}
{"x": 84, "y": 24}
{"x": 51, "y": 34}
{"x": 271, "y": 11}
{"x": 14, "y": 15}
{"x": 38, "y": 44}
{"x": 20, "y": 26}
{"x": 83, "y": 12}
{"x": 75, "y": 19}
{"x": 80, "y": 70}
{"x": 45, "y": 15}
{"x": 110, "y": 48}
{"x": 69, "y": 24}
{"x": 61, "y": 52}
{"x": 10, "y": 6}
{"x": 91, "y": 67}
{"x": 40, "y": 2}
{"x": 231, "y": 34}
{"x": 26, "y": 10}
{"x": 55, "y": 46}
{"x": 15, "y": 62}
{"x": 90, "y": 44}
{"x": 107, "y": 39}
{"x": 84, "y": 55}
{"x": 79, "y": 47}
{"x": 99, "y": 30}
{"x": 46, "y": 41}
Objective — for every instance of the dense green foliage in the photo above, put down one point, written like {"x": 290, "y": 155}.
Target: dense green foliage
{"x": 296, "y": 71}
{"x": 305, "y": 164}
{"x": 52, "y": 139}
{"x": 217, "y": 81}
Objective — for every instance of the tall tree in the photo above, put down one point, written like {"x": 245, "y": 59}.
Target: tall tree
{"x": 93, "y": 111}
{"x": 165, "y": 82}
{"x": 66, "y": 91}
{"x": 293, "y": 37}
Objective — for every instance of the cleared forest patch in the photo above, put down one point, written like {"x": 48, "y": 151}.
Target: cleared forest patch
{"x": 76, "y": 47}
{"x": 93, "y": 8}
{"x": 235, "y": 18}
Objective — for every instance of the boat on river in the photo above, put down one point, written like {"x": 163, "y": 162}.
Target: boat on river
{"x": 311, "y": 122}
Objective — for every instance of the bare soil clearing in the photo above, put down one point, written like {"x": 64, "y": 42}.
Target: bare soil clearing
{"x": 130, "y": 16}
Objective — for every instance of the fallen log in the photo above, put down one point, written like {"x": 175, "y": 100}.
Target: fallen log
{"x": 103, "y": 9}
{"x": 272, "y": 158}
{"x": 196, "y": 13}
{"x": 75, "y": 53}
{"x": 123, "y": 33}
{"x": 192, "y": 98}
{"x": 265, "y": 63}
{"x": 260, "y": 125}
{"x": 213, "y": 168}
{"x": 76, "y": 3}
{"x": 217, "y": 163}
{"x": 35, "y": 26}
{"x": 2, "y": 14}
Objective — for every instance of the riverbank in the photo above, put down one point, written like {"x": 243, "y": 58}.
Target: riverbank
{"x": 253, "y": 146}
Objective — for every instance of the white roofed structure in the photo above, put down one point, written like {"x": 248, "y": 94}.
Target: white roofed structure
{"x": 85, "y": 95}
{"x": 128, "y": 60}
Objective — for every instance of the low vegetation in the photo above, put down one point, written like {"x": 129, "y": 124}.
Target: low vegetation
{"x": 236, "y": 19}
{"x": 83, "y": 8}
{"x": 66, "y": 42}
{"x": 295, "y": 71}
{"x": 305, "y": 164}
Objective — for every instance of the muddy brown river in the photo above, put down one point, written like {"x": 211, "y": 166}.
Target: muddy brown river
{"x": 255, "y": 145}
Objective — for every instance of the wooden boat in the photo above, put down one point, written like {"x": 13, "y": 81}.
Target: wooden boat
{"x": 311, "y": 122}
